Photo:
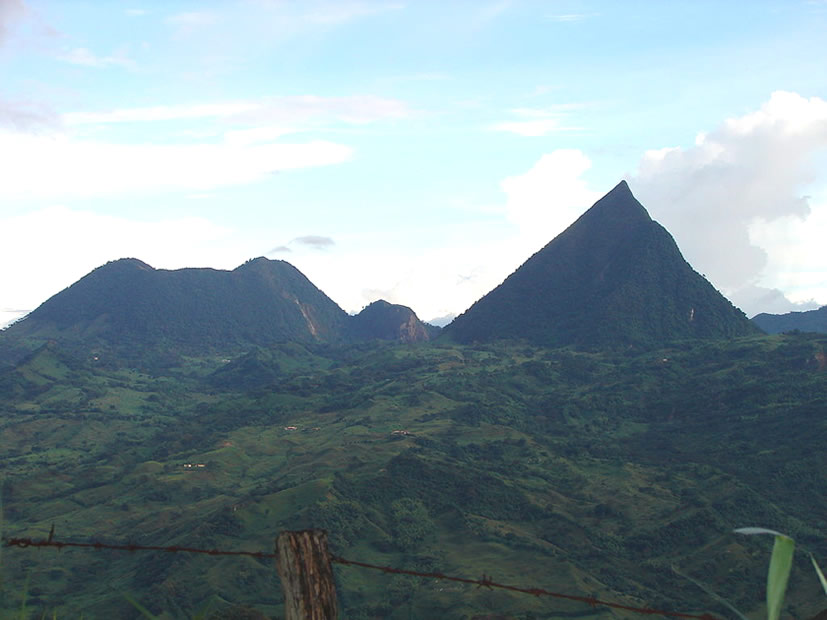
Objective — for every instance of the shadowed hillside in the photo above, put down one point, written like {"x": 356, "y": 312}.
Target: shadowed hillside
{"x": 809, "y": 321}
{"x": 127, "y": 301}
{"x": 614, "y": 277}
{"x": 385, "y": 321}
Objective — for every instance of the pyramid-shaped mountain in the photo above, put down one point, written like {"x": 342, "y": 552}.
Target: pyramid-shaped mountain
{"x": 126, "y": 301}
{"x": 614, "y": 277}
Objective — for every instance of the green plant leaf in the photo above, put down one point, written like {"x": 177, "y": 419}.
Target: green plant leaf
{"x": 780, "y": 564}
{"x": 819, "y": 573}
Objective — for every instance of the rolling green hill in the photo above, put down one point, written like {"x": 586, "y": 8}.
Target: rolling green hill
{"x": 589, "y": 473}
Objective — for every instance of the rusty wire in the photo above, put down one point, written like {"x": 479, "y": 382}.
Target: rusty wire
{"x": 485, "y": 582}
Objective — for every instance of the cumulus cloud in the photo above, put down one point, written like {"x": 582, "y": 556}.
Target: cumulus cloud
{"x": 60, "y": 166}
{"x": 53, "y": 247}
{"x": 727, "y": 197}
{"x": 550, "y": 196}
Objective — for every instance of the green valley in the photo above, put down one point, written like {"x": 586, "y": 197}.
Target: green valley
{"x": 584, "y": 472}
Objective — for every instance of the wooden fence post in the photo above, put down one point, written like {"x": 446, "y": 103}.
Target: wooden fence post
{"x": 303, "y": 564}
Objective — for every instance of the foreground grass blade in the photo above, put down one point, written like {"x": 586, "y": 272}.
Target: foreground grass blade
{"x": 25, "y": 595}
{"x": 144, "y": 611}
{"x": 819, "y": 573}
{"x": 781, "y": 562}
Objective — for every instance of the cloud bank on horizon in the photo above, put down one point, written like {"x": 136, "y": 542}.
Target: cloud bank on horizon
{"x": 436, "y": 170}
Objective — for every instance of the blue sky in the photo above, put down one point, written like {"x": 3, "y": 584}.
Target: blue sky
{"x": 411, "y": 151}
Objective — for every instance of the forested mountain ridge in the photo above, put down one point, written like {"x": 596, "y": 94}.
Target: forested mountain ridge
{"x": 128, "y": 303}
{"x": 807, "y": 321}
{"x": 614, "y": 277}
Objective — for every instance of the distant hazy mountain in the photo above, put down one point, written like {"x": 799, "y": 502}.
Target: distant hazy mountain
{"x": 385, "y": 321}
{"x": 262, "y": 302}
{"x": 614, "y": 277}
{"x": 809, "y": 321}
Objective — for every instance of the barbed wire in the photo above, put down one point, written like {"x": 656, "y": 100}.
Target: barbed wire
{"x": 485, "y": 582}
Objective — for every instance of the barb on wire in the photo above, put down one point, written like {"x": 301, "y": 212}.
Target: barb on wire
{"x": 28, "y": 542}
{"x": 485, "y": 582}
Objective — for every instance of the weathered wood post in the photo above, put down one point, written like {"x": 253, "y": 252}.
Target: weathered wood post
{"x": 303, "y": 564}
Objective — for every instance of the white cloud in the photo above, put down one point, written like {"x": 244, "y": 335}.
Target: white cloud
{"x": 159, "y": 113}
{"x": 540, "y": 127}
{"x": 442, "y": 281}
{"x": 192, "y": 19}
{"x": 550, "y": 196}
{"x": 796, "y": 262}
{"x": 341, "y": 12}
{"x": 86, "y": 58}
{"x": 52, "y": 248}
{"x": 351, "y": 109}
{"x": 729, "y": 198}
{"x": 256, "y": 135}
{"x": 60, "y": 166}
{"x": 539, "y": 122}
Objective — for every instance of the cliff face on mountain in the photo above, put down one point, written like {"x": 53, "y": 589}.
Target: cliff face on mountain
{"x": 385, "y": 321}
